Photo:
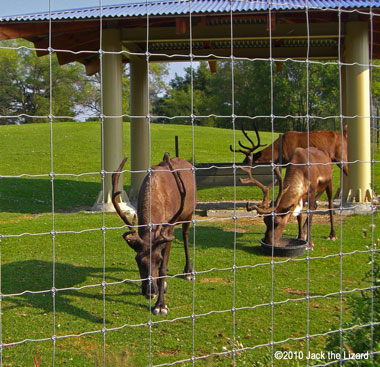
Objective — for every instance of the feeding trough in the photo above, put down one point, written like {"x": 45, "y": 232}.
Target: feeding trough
{"x": 285, "y": 247}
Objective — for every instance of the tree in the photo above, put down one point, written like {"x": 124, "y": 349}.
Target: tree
{"x": 157, "y": 86}
{"x": 246, "y": 88}
{"x": 186, "y": 95}
{"x": 31, "y": 87}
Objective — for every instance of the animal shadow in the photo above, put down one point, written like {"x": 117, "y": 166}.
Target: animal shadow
{"x": 29, "y": 284}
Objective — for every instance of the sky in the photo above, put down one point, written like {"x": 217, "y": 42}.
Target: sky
{"x": 18, "y": 7}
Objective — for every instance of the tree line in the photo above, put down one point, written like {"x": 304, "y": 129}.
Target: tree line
{"x": 32, "y": 88}
{"x": 289, "y": 95}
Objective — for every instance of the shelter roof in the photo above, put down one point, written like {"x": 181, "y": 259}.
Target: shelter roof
{"x": 183, "y": 7}
{"x": 258, "y": 29}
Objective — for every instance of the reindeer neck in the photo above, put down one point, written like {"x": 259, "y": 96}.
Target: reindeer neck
{"x": 294, "y": 187}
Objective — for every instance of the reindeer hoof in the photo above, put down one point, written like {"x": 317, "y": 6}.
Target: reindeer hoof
{"x": 332, "y": 238}
{"x": 188, "y": 274}
{"x": 161, "y": 310}
{"x": 189, "y": 277}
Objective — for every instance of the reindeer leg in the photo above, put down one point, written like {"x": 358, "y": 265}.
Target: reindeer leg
{"x": 319, "y": 194}
{"x": 160, "y": 306}
{"x": 185, "y": 235}
{"x": 308, "y": 221}
{"x": 301, "y": 234}
{"x": 329, "y": 192}
{"x": 315, "y": 206}
{"x": 305, "y": 229}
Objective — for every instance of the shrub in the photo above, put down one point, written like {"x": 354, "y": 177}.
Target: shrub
{"x": 363, "y": 338}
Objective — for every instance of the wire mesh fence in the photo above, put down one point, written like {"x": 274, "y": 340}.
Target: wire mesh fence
{"x": 70, "y": 287}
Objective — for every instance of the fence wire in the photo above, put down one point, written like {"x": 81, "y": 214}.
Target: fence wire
{"x": 273, "y": 264}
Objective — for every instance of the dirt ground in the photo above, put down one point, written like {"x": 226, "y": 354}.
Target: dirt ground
{"x": 245, "y": 218}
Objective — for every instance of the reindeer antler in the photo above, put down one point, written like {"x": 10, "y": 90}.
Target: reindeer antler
{"x": 180, "y": 185}
{"x": 115, "y": 195}
{"x": 253, "y": 148}
{"x": 265, "y": 189}
{"x": 281, "y": 192}
{"x": 163, "y": 237}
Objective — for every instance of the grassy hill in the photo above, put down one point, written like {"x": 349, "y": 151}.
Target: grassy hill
{"x": 76, "y": 159}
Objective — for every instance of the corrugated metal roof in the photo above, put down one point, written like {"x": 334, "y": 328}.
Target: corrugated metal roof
{"x": 181, "y": 7}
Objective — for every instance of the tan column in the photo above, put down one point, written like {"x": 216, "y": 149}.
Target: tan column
{"x": 112, "y": 124}
{"x": 345, "y": 113}
{"x": 357, "y": 104}
{"x": 140, "y": 149}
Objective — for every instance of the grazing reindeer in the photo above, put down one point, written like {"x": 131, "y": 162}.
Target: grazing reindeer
{"x": 328, "y": 141}
{"x": 166, "y": 197}
{"x": 301, "y": 183}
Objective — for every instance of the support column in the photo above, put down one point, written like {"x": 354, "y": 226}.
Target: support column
{"x": 140, "y": 148}
{"x": 345, "y": 113}
{"x": 358, "y": 188}
{"x": 112, "y": 126}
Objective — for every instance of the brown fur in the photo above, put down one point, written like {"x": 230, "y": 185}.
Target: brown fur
{"x": 301, "y": 183}
{"x": 160, "y": 203}
{"x": 327, "y": 141}
{"x": 165, "y": 194}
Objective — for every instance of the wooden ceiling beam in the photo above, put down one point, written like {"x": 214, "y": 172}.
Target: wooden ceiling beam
{"x": 241, "y": 31}
{"x": 134, "y": 49}
{"x": 181, "y": 25}
{"x": 277, "y": 52}
{"x": 65, "y": 57}
{"x": 74, "y": 41}
{"x": 11, "y": 31}
{"x": 92, "y": 66}
{"x": 33, "y": 29}
{"x": 212, "y": 65}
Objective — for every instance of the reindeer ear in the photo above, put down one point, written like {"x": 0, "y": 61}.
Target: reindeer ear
{"x": 345, "y": 131}
{"x": 166, "y": 157}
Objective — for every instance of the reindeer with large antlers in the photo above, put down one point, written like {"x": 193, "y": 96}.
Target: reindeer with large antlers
{"x": 167, "y": 197}
{"x": 302, "y": 182}
{"x": 330, "y": 142}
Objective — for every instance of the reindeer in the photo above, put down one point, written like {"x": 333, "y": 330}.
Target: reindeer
{"x": 328, "y": 141}
{"x": 301, "y": 183}
{"x": 167, "y": 196}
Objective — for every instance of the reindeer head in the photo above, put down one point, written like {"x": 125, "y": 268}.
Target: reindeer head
{"x": 148, "y": 248}
{"x": 275, "y": 222}
{"x": 149, "y": 257}
{"x": 150, "y": 241}
{"x": 249, "y": 155}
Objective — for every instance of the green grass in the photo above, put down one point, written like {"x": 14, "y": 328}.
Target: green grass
{"x": 76, "y": 256}
{"x": 76, "y": 150}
